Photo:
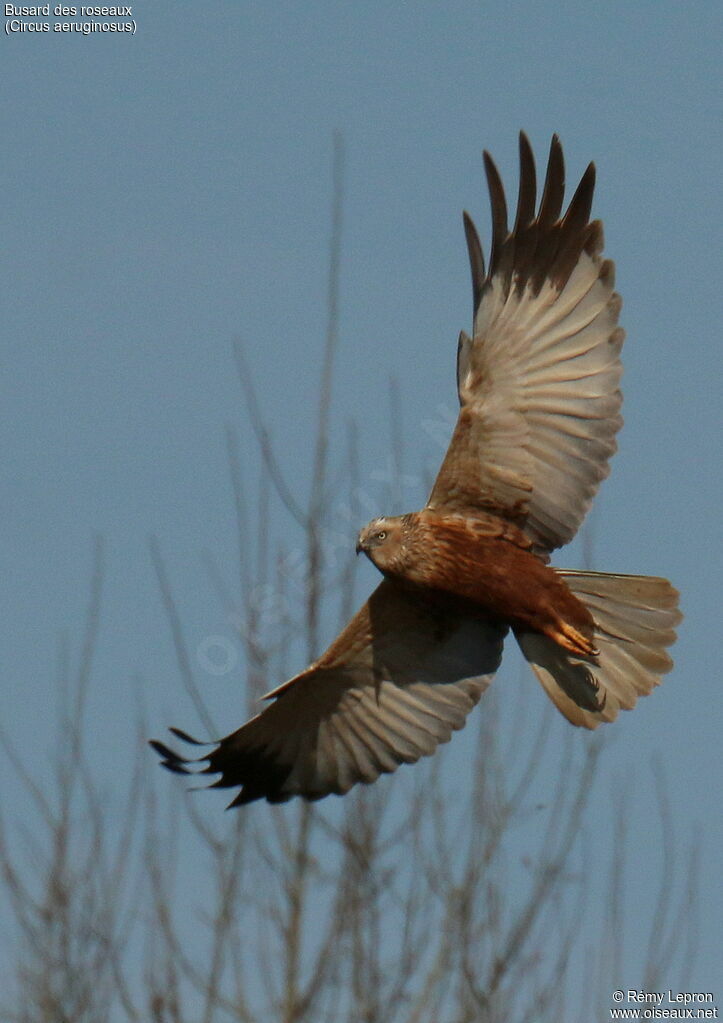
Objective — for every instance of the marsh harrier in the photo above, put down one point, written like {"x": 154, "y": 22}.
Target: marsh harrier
{"x": 539, "y": 396}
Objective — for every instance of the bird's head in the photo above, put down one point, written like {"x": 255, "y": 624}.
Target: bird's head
{"x": 382, "y": 540}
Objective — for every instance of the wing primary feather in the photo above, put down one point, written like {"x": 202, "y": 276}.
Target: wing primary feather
{"x": 527, "y": 195}
{"x": 180, "y": 734}
{"x": 548, "y": 225}
{"x": 525, "y": 233}
{"x": 476, "y": 260}
{"x": 578, "y": 212}
{"x": 573, "y": 231}
{"x": 171, "y": 760}
{"x": 499, "y": 216}
{"x": 554, "y": 190}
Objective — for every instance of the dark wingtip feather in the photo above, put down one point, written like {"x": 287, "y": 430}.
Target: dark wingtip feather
{"x": 243, "y": 798}
{"x": 527, "y": 195}
{"x": 250, "y": 793}
{"x": 498, "y": 205}
{"x": 171, "y": 760}
{"x": 185, "y": 737}
{"x": 573, "y": 230}
{"x": 554, "y": 190}
{"x": 164, "y": 751}
{"x": 578, "y": 212}
{"x": 476, "y": 260}
{"x": 523, "y": 241}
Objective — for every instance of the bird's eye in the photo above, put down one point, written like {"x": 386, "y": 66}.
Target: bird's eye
{"x": 382, "y": 535}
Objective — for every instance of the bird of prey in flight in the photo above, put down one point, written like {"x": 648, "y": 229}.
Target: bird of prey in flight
{"x": 538, "y": 383}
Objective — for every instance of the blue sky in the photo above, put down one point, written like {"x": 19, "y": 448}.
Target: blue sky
{"x": 169, "y": 192}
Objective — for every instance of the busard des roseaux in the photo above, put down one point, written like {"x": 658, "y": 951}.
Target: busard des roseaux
{"x": 538, "y": 383}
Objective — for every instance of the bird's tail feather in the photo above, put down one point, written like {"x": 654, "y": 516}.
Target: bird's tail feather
{"x": 635, "y": 618}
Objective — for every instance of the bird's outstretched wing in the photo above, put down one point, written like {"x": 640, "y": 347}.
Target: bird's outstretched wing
{"x": 538, "y": 380}
{"x": 399, "y": 679}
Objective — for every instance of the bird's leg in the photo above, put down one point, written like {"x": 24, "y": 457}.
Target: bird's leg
{"x": 571, "y": 639}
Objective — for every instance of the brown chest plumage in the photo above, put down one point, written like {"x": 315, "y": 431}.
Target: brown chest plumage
{"x": 488, "y": 562}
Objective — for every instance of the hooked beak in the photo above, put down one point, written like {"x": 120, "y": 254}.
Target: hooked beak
{"x": 359, "y": 547}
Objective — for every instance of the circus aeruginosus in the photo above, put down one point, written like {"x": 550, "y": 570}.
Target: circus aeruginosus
{"x": 538, "y": 385}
